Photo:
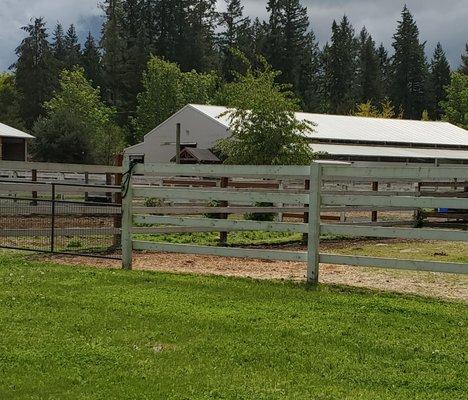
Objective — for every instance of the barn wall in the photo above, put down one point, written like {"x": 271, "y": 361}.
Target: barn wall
{"x": 159, "y": 144}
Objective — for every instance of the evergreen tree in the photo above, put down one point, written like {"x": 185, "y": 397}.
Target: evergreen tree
{"x": 456, "y": 105}
{"x": 199, "y": 36}
{"x": 385, "y": 71}
{"x": 36, "y": 73}
{"x": 409, "y": 69}
{"x": 369, "y": 79}
{"x": 72, "y": 49}
{"x": 236, "y": 35}
{"x": 340, "y": 68}
{"x": 440, "y": 78}
{"x": 292, "y": 49}
{"x": 113, "y": 58}
{"x": 464, "y": 62}
{"x": 91, "y": 61}
{"x": 58, "y": 46}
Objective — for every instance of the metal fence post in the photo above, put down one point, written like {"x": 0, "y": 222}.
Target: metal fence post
{"x": 52, "y": 221}
{"x": 313, "y": 239}
{"x": 127, "y": 197}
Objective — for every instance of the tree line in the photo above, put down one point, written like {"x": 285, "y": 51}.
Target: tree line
{"x": 154, "y": 56}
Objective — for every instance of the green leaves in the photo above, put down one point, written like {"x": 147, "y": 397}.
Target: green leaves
{"x": 166, "y": 90}
{"x": 456, "y": 105}
{"x": 263, "y": 126}
{"x": 77, "y": 110}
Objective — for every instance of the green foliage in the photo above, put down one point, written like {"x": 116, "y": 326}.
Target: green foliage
{"x": 10, "y": 113}
{"x": 107, "y": 334}
{"x": 456, "y": 106}
{"x": 261, "y": 216}
{"x": 409, "y": 69}
{"x": 91, "y": 61}
{"x": 263, "y": 127}
{"x": 369, "y": 73}
{"x": 439, "y": 79}
{"x": 36, "y": 71}
{"x": 166, "y": 90}
{"x": 340, "y": 64}
{"x": 153, "y": 202}
{"x": 88, "y": 114}
{"x": 62, "y": 137}
{"x": 385, "y": 110}
{"x": 464, "y": 62}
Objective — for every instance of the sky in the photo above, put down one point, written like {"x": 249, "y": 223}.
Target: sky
{"x": 438, "y": 20}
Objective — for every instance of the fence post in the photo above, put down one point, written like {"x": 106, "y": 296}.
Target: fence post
{"x": 313, "y": 239}
{"x": 127, "y": 197}
{"x": 118, "y": 200}
{"x": 224, "y": 183}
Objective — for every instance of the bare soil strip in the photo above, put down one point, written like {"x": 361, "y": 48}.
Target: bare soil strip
{"x": 438, "y": 285}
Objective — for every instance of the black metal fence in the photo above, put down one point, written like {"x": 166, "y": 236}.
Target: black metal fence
{"x": 60, "y": 218}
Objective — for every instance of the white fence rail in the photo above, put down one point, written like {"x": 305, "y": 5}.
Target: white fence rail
{"x": 313, "y": 200}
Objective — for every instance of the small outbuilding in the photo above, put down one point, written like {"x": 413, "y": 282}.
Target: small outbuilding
{"x": 13, "y": 143}
{"x": 335, "y": 137}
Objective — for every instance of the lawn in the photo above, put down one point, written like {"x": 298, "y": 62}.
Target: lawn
{"x": 86, "y": 333}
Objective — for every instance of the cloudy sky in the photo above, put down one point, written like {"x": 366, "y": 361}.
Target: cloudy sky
{"x": 438, "y": 20}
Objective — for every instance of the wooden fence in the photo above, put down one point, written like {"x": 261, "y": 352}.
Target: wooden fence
{"x": 140, "y": 219}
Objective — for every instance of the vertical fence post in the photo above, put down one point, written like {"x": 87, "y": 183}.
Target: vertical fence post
{"x": 305, "y": 218}
{"x": 375, "y": 188}
{"x": 223, "y": 236}
{"x": 127, "y": 197}
{"x": 118, "y": 200}
{"x": 52, "y": 220}
{"x": 314, "y": 223}
{"x": 34, "y": 179}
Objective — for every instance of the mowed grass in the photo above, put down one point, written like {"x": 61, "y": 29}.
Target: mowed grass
{"x": 413, "y": 250}
{"x": 84, "y": 333}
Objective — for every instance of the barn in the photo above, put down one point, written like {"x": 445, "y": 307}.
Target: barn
{"x": 13, "y": 144}
{"x": 336, "y": 137}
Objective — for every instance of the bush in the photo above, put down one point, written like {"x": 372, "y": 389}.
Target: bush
{"x": 261, "y": 216}
{"x": 153, "y": 202}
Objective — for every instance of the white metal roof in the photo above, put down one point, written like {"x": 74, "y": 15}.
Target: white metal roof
{"x": 8, "y": 131}
{"x": 381, "y": 151}
{"x": 343, "y": 127}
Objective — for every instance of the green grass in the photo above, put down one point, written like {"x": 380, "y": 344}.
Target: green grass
{"x": 234, "y": 238}
{"x": 84, "y": 333}
{"x": 435, "y": 251}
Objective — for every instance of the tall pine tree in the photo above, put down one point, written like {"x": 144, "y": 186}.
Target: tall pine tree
{"x": 113, "y": 58}
{"x": 72, "y": 49}
{"x": 464, "y": 62}
{"x": 369, "y": 74}
{"x": 409, "y": 69}
{"x": 385, "y": 71}
{"x": 439, "y": 79}
{"x": 36, "y": 73}
{"x": 292, "y": 49}
{"x": 340, "y": 68}
{"x": 91, "y": 61}
{"x": 236, "y": 35}
{"x": 58, "y": 46}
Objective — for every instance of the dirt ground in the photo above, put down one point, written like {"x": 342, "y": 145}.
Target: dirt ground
{"x": 443, "y": 286}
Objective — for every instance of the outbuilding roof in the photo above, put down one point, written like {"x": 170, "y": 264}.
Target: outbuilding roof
{"x": 10, "y": 132}
{"x": 389, "y": 151}
{"x": 364, "y": 129}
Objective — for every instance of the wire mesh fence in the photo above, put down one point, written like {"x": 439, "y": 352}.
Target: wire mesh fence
{"x": 50, "y": 224}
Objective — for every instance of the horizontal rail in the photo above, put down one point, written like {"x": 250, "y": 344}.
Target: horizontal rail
{"x": 165, "y": 230}
{"x": 216, "y": 210}
{"x": 223, "y": 224}
{"x": 247, "y": 171}
{"x": 397, "y": 173}
{"x": 394, "y": 263}
{"x": 222, "y": 194}
{"x": 46, "y": 187}
{"x": 237, "y": 252}
{"x": 58, "y": 167}
{"x": 391, "y": 232}
{"x": 398, "y": 201}
{"x": 59, "y": 232}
